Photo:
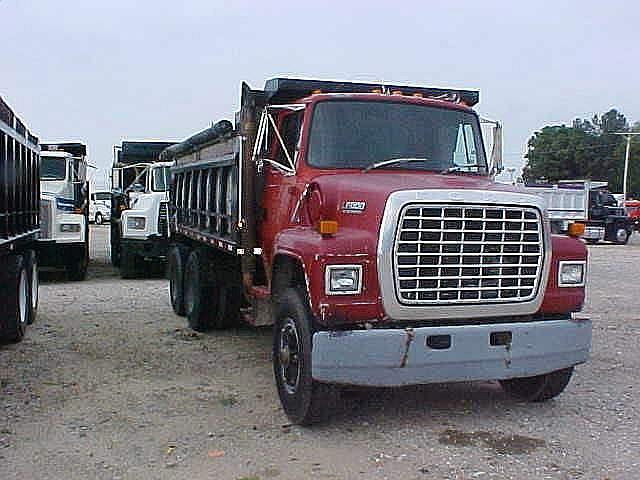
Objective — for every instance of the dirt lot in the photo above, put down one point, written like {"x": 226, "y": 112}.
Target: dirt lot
{"x": 110, "y": 384}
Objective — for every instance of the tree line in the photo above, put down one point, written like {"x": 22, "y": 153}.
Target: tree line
{"x": 588, "y": 149}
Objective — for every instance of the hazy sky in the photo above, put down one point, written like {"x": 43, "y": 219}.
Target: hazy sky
{"x": 101, "y": 72}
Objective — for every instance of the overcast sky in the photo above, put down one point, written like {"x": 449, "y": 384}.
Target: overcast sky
{"x": 101, "y": 72}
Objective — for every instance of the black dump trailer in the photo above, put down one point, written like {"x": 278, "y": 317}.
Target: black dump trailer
{"x": 19, "y": 225}
{"x": 129, "y": 162}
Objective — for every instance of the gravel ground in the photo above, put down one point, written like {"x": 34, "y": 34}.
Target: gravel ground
{"x": 110, "y": 384}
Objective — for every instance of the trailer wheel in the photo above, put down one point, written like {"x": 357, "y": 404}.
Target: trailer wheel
{"x": 15, "y": 298}
{"x": 304, "y": 400}
{"x": 78, "y": 263}
{"x": 175, "y": 272}
{"x": 539, "y": 388}
{"x": 31, "y": 261}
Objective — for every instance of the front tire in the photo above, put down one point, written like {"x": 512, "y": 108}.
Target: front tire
{"x": 304, "y": 400}
{"x": 98, "y": 219}
{"x": 622, "y": 235}
{"x": 78, "y": 264}
{"x": 539, "y": 388}
{"x": 128, "y": 264}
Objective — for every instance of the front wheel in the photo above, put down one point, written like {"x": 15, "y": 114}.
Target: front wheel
{"x": 98, "y": 220}
{"x": 78, "y": 264}
{"x": 622, "y": 235}
{"x": 304, "y": 400}
{"x": 128, "y": 264}
{"x": 539, "y": 388}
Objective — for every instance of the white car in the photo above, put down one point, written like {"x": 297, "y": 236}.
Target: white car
{"x": 100, "y": 207}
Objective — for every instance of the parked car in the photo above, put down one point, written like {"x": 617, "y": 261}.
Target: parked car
{"x": 100, "y": 207}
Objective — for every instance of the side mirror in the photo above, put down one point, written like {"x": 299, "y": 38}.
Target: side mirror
{"x": 496, "y": 152}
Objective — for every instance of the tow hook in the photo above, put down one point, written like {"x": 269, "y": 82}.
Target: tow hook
{"x": 407, "y": 343}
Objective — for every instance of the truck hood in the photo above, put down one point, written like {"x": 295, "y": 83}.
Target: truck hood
{"x": 57, "y": 188}
{"x": 373, "y": 188}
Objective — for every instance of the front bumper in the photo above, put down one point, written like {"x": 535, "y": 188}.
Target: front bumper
{"x": 52, "y": 253}
{"x": 396, "y": 357}
{"x": 593, "y": 233}
{"x": 152, "y": 248}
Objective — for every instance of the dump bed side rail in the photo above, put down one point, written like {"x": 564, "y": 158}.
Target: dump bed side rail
{"x": 19, "y": 179}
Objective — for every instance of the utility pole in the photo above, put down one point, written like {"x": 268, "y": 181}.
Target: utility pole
{"x": 626, "y": 163}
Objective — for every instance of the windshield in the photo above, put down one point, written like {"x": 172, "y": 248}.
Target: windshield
{"x": 358, "y": 134}
{"x": 103, "y": 196}
{"x": 53, "y": 168}
{"x": 160, "y": 179}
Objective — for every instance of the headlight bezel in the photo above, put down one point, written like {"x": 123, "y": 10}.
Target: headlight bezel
{"x": 563, "y": 283}
{"x": 329, "y": 278}
{"x": 136, "y": 223}
{"x": 69, "y": 228}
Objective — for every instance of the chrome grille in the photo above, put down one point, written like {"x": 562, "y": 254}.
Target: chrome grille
{"x": 448, "y": 253}
{"x": 163, "y": 225}
{"x": 45, "y": 219}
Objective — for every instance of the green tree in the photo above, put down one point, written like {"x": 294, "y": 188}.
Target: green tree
{"x": 587, "y": 149}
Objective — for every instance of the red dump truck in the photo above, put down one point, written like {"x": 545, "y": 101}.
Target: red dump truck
{"x": 19, "y": 225}
{"x": 363, "y": 222}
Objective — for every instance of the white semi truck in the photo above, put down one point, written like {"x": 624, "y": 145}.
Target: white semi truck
{"x": 139, "y": 208}
{"x": 64, "y": 208}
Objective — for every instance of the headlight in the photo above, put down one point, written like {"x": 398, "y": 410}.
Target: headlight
{"x": 571, "y": 274}
{"x": 343, "y": 279}
{"x": 136, "y": 223}
{"x": 70, "y": 227}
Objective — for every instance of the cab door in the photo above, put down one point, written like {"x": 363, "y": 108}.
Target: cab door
{"x": 281, "y": 190}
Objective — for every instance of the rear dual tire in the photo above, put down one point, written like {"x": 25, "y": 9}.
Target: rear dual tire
{"x": 19, "y": 295}
{"x": 212, "y": 294}
{"x": 176, "y": 263}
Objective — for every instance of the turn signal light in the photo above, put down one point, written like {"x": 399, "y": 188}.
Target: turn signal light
{"x": 77, "y": 210}
{"x": 376, "y": 90}
{"x": 328, "y": 227}
{"x": 396, "y": 92}
{"x": 316, "y": 91}
{"x": 575, "y": 229}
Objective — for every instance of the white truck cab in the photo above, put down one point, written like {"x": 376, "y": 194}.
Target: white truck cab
{"x": 64, "y": 191}
{"x": 100, "y": 207}
{"x": 140, "y": 214}
{"x": 146, "y": 216}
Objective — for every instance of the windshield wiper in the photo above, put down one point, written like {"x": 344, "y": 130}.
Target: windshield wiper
{"x": 393, "y": 161}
